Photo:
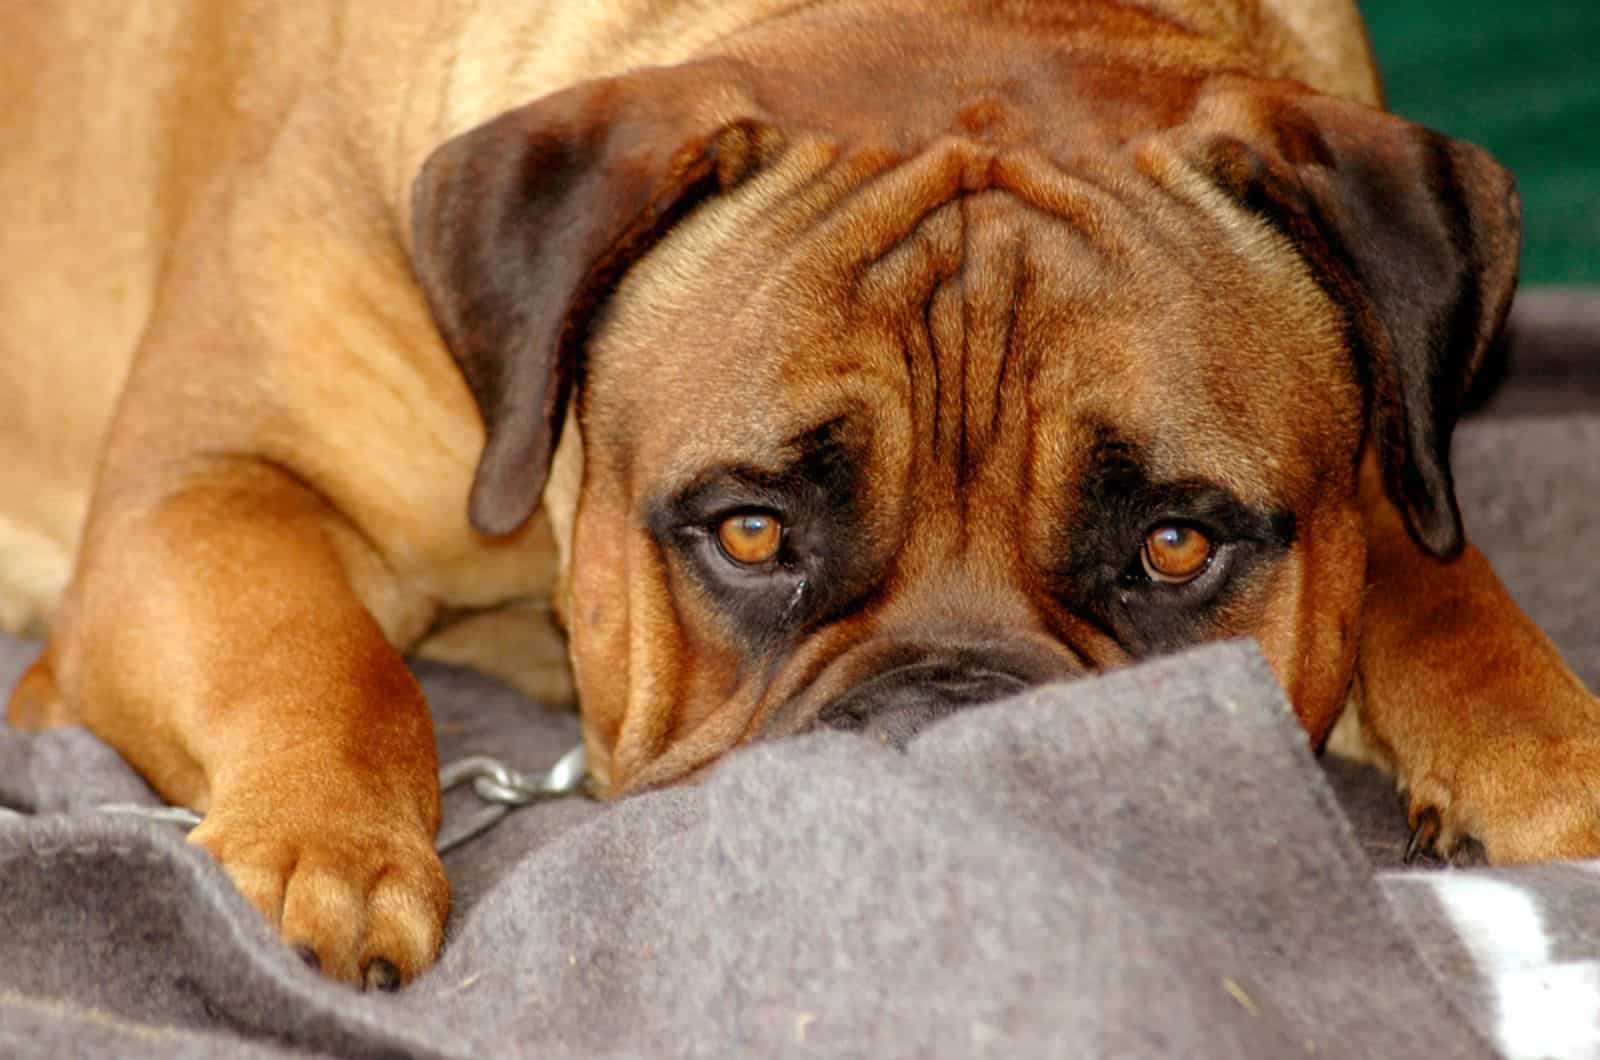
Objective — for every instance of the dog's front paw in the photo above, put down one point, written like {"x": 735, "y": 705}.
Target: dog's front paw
{"x": 1522, "y": 800}
{"x": 359, "y": 895}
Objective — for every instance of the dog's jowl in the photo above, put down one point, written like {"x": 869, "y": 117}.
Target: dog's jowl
{"x": 842, "y": 363}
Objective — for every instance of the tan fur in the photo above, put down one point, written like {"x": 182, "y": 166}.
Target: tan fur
{"x": 240, "y": 436}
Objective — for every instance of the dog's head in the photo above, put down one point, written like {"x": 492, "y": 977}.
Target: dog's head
{"x": 899, "y": 392}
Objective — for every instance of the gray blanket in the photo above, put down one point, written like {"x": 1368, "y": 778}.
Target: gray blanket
{"x": 1145, "y": 864}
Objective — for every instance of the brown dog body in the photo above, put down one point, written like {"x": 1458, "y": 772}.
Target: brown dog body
{"x": 966, "y": 304}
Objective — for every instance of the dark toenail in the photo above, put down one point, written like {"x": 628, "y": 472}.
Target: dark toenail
{"x": 308, "y": 956}
{"x": 381, "y": 975}
{"x": 1423, "y": 836}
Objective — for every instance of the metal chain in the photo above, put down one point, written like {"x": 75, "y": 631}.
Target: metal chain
{"x": 499, "y": 787}
{"x": 172, "y": 814}
{"x": 503, "y": 789}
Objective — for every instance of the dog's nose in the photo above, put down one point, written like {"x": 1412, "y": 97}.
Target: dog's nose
{"x": 897, "y": 703}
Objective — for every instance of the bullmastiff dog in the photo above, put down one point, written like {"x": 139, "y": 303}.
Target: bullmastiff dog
{"x": 801, "y": 361}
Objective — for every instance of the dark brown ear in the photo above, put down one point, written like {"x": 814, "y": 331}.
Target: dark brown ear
{"x": 1416, "y": 237}
{"x": 522, "y": 225}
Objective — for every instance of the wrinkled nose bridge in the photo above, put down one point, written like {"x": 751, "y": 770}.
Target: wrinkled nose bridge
{"x": 951, "y": 589}
{"x": 959, "y": 587}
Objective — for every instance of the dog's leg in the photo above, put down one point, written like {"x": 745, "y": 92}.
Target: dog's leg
{"x": 215, "y": 638}
{"x": 1489, "y": 732}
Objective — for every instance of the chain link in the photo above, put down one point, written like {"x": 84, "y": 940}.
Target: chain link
{"x": 503, "y": 789}
{"x": 170, "y": 814}
{"x": 500, "y": 788}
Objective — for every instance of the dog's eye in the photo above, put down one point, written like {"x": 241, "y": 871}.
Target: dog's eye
{"x": 750, "y": 538}
{"x": 1175, "y": 553}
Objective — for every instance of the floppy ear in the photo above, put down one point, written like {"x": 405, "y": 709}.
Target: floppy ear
{"x": 1416, "y": 237}
{"x": 521, "y": 226}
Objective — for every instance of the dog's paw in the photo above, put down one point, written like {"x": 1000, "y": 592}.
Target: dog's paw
{"x": 362, "y": 899}
{"x": 1532, "y": 799}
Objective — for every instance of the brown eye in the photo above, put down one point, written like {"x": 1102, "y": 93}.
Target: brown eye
{"x": 1174, "y": 553}
{"x": 750, "y": 538}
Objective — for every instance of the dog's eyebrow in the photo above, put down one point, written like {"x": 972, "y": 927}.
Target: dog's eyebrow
{"x": 813, "y": 466}
{"x": 808, "y": 455}
{"x": 1119, "y": 482}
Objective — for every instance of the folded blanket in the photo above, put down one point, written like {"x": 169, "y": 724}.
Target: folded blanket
{"x": 1085, "y": 870}
{"x": 1146, "y": 863}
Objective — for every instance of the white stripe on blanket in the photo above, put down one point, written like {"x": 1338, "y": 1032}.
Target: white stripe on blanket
{"x": 1546, "y": 1008}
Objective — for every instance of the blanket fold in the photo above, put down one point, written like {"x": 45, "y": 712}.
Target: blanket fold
{"x": 1083, "y": 870}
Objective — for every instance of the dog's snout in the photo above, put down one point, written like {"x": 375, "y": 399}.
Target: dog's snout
{"x": 897, "y": 703}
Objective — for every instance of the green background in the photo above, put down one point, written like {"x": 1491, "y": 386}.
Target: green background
{"x": 1523, "y": 80}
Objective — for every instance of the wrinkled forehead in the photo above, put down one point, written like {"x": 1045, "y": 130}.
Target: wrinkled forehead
{"x": 1137, "y": 297}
